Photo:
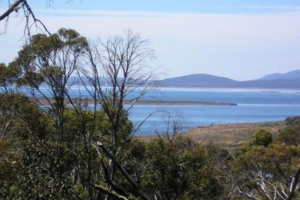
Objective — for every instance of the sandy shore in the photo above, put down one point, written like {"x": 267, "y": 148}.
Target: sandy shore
{"x": 43, "y": 101}
{"x": 229, "y": 136}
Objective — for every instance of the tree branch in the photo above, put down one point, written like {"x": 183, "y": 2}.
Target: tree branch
{"x": 295, "y": 182}
{"x": 124, "y": 172}
{"x": 111, "y": 193}
{"x": 11, "y": 9}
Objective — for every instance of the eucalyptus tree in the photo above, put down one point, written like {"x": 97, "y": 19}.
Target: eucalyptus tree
{"x": 47, "y": 64}
{"x": 8, "y": 77}
{"x": 267, "y": 168}
{"x": 21, "y": 118}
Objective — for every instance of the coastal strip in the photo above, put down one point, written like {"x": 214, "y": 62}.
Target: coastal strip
{"x": 229, "y": 136}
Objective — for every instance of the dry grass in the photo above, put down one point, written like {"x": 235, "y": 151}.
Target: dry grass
{"x": 228, "y": 136}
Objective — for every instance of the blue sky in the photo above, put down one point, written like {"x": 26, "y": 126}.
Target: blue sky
{"x": 213, "y": 6}
{"x": 240, "y": 39}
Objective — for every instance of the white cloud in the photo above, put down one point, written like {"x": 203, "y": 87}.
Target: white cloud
{"x": 186, "y": 43}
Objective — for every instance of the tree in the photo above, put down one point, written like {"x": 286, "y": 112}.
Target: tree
{"x": 262, "y": 138}
{"x": 8, "y": 77}
{"x": 175, "y": 124}
{"x": 21, "y": 118}
{"x": 123, "y": 62}
{"x": 47, "y": 64}
{"x": 21, "y": 123}
{"x": 288, "y": 136}
{"x": 267, "y": 172}
{"x": 268, "y": 169}
{"x": 179, "y": 170}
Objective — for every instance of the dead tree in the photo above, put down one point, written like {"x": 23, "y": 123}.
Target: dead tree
{"x": 117, "y": 73}
{"x": 175, "y": 124}
{"x": 267, "y": 188}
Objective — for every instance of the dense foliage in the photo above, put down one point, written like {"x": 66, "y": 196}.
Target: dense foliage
{"x": 182, "y": 169}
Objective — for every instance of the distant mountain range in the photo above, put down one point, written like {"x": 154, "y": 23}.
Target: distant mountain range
{"x": 292, "y": 75}
{"x": 290, "y": 80}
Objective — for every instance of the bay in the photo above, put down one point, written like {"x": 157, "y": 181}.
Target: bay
{"x": 253, "y": 105}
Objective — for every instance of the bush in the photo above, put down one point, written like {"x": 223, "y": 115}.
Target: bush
{"x": 262, "y": 137}
{"x": 293, "y": 122}
{"x": 289, "y": 136}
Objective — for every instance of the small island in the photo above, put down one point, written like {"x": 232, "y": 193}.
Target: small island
{"x": 183, "y": 103}
{"x": 269, "y": 91}
{"x": 87, "y": 101}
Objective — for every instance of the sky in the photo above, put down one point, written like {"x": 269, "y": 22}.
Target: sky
{"x": 238, "y": 39}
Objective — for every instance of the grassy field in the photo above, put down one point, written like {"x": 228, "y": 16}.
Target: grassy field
{"x": 228, "y": 136}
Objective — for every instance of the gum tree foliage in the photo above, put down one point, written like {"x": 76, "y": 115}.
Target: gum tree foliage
{"x": 8, "y": 77}
{"x": 22, "y": 123}
{"x": 47, "y": 63}
{"x": 20, "y": 117}
{"x": 28, "y": 152}
{"x": 261, "y": 137}
{"x": 268, "y": 169}
{"x": 267, "y": 172}
{"x": 179, "y": 170}
{"x": 162, "y": 168}
{"x": 91, "y": 166}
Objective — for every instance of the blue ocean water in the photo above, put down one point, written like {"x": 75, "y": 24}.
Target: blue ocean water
{"x": 253, "y": 105}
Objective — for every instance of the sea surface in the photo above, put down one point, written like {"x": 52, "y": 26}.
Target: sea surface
{"x": 253, "y": 105}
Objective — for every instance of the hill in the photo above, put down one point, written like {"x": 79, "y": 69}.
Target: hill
{"x": 292, "y": 75}
{"x": 198, "y": 80}
{"x": 290, "y": 80}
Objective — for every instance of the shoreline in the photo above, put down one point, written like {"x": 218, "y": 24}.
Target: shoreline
{"x": 44, "y": 102}
{"x": 229, "y": 136}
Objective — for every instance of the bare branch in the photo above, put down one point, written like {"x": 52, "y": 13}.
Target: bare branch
{"x": 294, "y": 184}
{"x": 28, "y": 15}
{"x": 12, "y": 8}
